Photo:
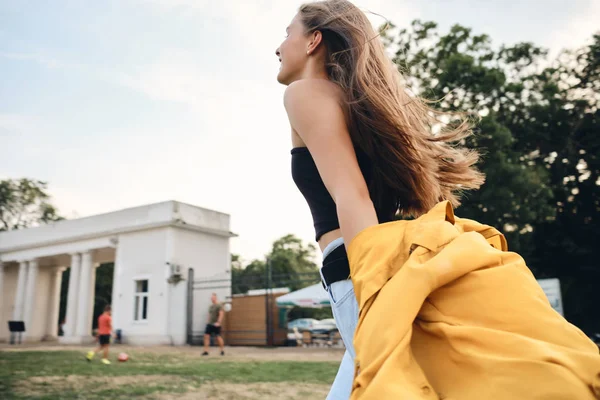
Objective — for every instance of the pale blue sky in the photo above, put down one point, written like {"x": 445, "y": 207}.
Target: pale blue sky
{"x": 121, "y": 103}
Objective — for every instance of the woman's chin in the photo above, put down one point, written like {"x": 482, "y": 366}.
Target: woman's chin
{"x": 283, "y": 78}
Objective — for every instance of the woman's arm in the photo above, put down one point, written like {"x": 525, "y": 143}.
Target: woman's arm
{"x": 316, "y": 115}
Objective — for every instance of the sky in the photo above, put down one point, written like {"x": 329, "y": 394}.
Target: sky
{"x": 120, "y": 103}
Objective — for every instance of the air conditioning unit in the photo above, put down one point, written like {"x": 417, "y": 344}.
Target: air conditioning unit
{"x": 176, "y": 273}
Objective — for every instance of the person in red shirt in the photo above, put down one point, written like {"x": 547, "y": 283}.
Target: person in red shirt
{"x": 104, "y": 332}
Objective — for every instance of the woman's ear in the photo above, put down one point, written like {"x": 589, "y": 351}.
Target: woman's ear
{"x": 316, "y": 38}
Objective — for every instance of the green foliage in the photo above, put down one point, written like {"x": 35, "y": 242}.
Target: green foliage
{"x": 302, "y": 312}
{"x": 103, "y": 290}
{"x": 64, "y": 290}
{"x": 538, "y": 124}
{"x": 253, "y": 276}
{"x": 290, "y": 264}
{"x": 465, "y": 74}
{"x": 24, "y": 203}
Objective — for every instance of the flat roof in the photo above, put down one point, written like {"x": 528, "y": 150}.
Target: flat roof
{"x": 167, "y": 213}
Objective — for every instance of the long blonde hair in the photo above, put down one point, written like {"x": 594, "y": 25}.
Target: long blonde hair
{"x": 413, "y": 168}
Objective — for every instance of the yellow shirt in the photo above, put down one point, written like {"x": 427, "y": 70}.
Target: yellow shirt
{"x": 446, "y": 312}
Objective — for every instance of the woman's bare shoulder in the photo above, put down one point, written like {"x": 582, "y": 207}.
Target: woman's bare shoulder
{"x": 312, "y": 89}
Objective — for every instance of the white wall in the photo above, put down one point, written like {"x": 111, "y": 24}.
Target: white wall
{"x": 209, "y": 256}
{"x": 198, "y": 216}
{"x": 146, "y": 238}
{"x": 45, "y": 238}
{"x": 94, "y": 226}
{"x": 41, "y": 305}
{"x": 61, "y": 249}
{"x": 8, "y": 292}
{"x": 141, "y": 255}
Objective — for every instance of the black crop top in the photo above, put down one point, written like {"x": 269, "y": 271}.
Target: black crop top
{"x": 322, "y": 207}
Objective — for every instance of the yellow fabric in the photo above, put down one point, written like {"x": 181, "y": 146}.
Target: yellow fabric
{"x": 446, "y": 312}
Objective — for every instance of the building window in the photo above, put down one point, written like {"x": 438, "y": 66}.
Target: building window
{"x": 140, "y": 312}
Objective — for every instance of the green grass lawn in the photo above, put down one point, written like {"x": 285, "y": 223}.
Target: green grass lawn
{"x": 52, "y": 375}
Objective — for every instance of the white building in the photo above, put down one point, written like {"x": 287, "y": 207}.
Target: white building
{"x": 150, "y": 245}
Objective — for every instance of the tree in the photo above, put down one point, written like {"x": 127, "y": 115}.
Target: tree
{"x": 538, "y": 125}
{"x": 290, "y": 264}
{"x": 467, "y": 76}
{"x": 25, "y": 203}
{"x": 103, "y": 289}
{"x": 565, "y": 122}
{"x": 246, "y": 278}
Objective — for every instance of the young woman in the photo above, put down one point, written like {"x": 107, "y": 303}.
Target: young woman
{"x": 362, "y": 147}
{"x": 363, "y": 150}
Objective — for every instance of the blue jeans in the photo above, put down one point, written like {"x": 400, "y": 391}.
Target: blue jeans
{"x": 345, "y": 312}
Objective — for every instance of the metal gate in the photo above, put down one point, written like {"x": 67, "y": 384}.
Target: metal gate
{"x": 264, "y": 334}
{"x": 200, "y": 287}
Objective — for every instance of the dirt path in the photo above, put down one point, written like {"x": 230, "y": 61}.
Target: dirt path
{"x": 38, "y": 386}
{"x": 232, "y": 353}
{"x": 253, "y": 391}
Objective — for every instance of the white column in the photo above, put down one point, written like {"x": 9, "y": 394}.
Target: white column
{"x": 54, "y": 302}
{"x": 20, "y": 296}
{"x": 72, "y": 295}
{"x": 92, "y": 294}
{"x": 83, "y": 328}
{"x": 30, "y": 296}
